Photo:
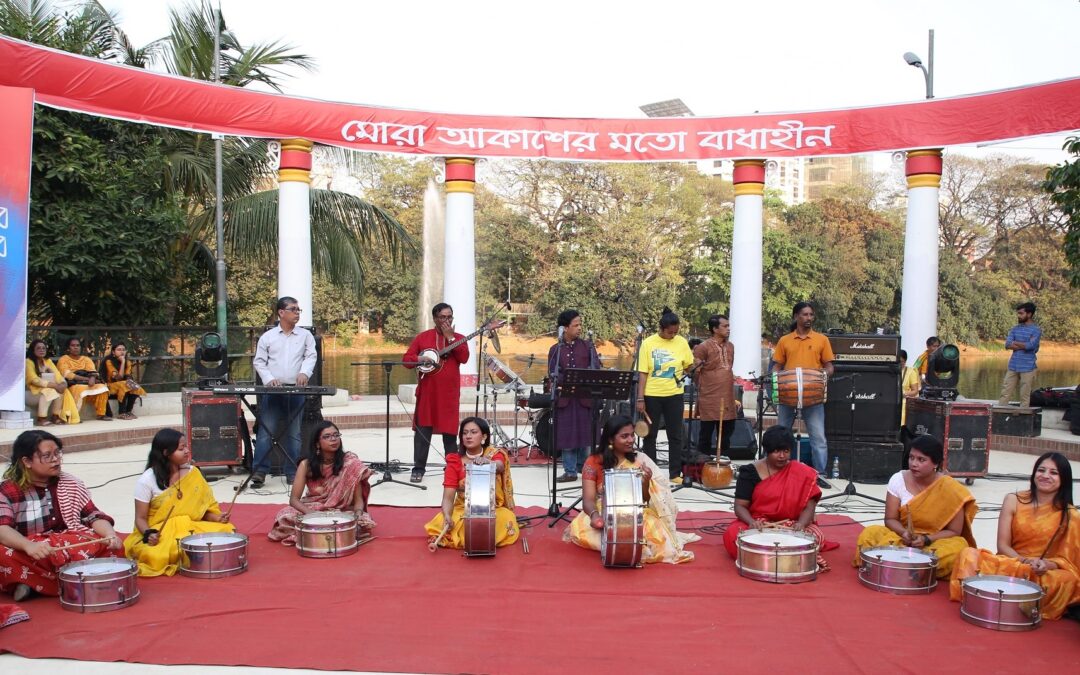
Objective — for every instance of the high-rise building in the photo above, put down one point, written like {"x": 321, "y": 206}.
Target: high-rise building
{"x": 822, "y": 173}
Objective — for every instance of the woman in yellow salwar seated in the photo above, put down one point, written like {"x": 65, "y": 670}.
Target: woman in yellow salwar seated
{"x": 46, "y": 391}
{"x": 172, "y": 500}
{"x": 116, "y": 371}
{"x": 616, "y": 451}
{"x": 83, "y": 379}
{"x": 1038, "y": 539}
{"x": 473, "y": 448}
{"x": 924, "y": 509}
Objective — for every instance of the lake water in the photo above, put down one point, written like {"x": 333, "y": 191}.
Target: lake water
{"x": 980, "y": 377}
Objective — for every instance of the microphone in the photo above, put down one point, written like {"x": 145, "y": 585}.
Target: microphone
{"x": 562, "y": 329}
{"x": 589, "y": 333}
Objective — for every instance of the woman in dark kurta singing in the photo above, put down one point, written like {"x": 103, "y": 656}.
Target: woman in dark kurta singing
{"x": 573, "y": 416}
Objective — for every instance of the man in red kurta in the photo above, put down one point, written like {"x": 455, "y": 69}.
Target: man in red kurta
{"x": 438, "y": 394}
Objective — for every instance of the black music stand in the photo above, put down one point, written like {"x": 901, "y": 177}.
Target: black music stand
{"x": 387, "y": 476}
{"x": 850, "y": 490}
{"x": 587, "y": 383}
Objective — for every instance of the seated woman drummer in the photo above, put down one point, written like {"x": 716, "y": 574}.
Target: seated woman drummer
{"x": 777, "y": 492}
{"x": 172, "y": 500}
{"x": 333, "y": 479}
{"x": 924, "y": 509}
{"x": 473, "y": 448}
{"x": 1038, "y": 539}
{"x": 616, "y": 451}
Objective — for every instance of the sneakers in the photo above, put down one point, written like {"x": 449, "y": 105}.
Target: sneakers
{"x": 677, "y": 480}
{"x": 567, "y": 478}
{"x": 417, "y": 476}
{"x": 22, "y": 592}
{"x": 257, "y": 480}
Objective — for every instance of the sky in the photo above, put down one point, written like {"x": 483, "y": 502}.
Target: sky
{"x": 562, "y": 58}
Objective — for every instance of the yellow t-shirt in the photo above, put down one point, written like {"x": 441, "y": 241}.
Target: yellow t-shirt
{"x": 664, "y": 361}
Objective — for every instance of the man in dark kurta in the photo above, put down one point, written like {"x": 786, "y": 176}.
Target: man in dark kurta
{"x": 716, "y": 386}
{"x": 438, "y": 394}
{"x": 573, "y": 417}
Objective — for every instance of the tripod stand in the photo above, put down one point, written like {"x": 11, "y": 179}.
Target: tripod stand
{"x": 387, "y": 476}
{"x": 850, "y": 490}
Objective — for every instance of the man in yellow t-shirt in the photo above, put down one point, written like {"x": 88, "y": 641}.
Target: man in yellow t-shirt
{"x": 805, "y": 348}
{"x": 662, "y": 362}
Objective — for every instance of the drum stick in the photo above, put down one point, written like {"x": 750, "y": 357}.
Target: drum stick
{"x": 433, "y": 546}
{"x": 81, "y": 543}
{"x": 365, "y": 540}
{"x": 720, "y": 431}
{"x": 910, "y": 528}
{"x": 238, "y": 491}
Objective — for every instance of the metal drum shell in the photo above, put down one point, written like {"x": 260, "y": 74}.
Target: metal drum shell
{"x": 326, "y": 540}
{"x": 897, "y": 576}
{"x": 622, "y": 541}
{"x": 480, "y": 509}
{"x": 787, "y": 564}
{"x": 98, "y": 592}
{"x": 202, "y": 560}
{"x": 1018, "y": 611}
{"x": 717, "y": 474}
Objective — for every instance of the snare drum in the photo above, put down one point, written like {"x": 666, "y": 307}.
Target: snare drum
{"x": 898, "y": 570}
{"x": 717, "y": 474}
{"x": 326, "y": 534}
{"x": 99, "y": 584}
{"x": 800, "y": 387}
{"x": 779, "y": 556}
{"x": 1001, "y": 603}
{"x": 623, "y": 540}
{"x": 480, "y": 509}
{"x": 213, "y": 555}
{"x": 499, "y": 370}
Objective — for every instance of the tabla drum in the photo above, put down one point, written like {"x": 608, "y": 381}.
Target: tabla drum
{"x": 99, "y": 584}
{"x": 899, "y": 570}
{"x": 717, "y": 474}
{"x": 779, "y": 556}
{"x": 326, "y": 534}
{"x": 500, "y": 371}
{"x": 212, "y": 555}
{"x": 800, "y": 387}
{"x": 622, "y": 541}
{"x": 480, "y": 509}
{"x": 1001, "y": 603}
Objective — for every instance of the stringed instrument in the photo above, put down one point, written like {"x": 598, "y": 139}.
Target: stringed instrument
{"x": 431, "y": 360}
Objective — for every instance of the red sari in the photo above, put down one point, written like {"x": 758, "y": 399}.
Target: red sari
{"x": 779, "y": 500}
{"x": 438, "y": 395}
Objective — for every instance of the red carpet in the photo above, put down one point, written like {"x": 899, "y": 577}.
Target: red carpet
{"x": 395, "y": 607}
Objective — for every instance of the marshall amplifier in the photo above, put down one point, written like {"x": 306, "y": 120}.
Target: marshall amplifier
{"x": 865, "y": 348}
{"x": 964, "y": 428}
{"x": 877, "y": 403}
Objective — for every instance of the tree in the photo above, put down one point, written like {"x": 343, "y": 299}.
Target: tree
{"x": 1063, "y": 184}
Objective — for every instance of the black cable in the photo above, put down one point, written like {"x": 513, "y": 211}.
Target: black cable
{"x": 113, "y": 480}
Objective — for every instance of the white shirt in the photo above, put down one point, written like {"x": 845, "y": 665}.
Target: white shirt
{"x": 898, "y": 488}
{"x": 280, "y": 356}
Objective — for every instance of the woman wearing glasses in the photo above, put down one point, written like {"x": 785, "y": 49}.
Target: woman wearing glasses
{"x": 335, "y": 480}
{"x": 47, "y": 518}
{"x": 172, "y": 500}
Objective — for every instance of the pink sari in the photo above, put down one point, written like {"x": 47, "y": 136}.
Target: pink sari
{"x": 328, "y": 493}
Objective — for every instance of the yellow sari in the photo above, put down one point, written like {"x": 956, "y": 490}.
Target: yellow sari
{"x": 184, "y": 504}
{"x": 97, "y": 394}
{"x": 1032, "y": 530}
{"x": 662, "y": 542}
{"x": 506, "y": 525}
{"x": 39, "y": 386}
{"x": 931, "y": 511}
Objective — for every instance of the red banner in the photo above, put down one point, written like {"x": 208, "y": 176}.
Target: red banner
{"x": 87, "y": 85}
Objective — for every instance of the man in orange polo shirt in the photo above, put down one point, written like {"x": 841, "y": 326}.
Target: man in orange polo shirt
{"x": 805, "y": 348}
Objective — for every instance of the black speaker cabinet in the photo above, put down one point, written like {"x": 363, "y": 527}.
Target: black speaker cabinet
{"x": 963, "y": 427}
{"x": 866, "y": 461}
{"x": 743, "y": 440}
{"x": 877, "y": 403}
{"x": 1013, "y": 421}
{"x": 212, "y": 427}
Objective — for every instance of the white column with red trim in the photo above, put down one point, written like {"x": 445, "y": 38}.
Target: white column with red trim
{"x": 746, "y": 272}
{"x": 459, "y": 274}
{"x": 294, "y": 225}
{"x": 919, "y": 302}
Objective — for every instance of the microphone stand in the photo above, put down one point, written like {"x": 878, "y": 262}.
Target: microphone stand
{"x": 850, "y": 490}
{"x": 387, "y": 476}
{"x": 553, "y": 508}
{"x": 480, "y": 364}
{"x": 637, "y": 362}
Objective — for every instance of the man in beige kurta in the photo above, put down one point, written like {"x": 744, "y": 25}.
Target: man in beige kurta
{"x": 713, "y": 359}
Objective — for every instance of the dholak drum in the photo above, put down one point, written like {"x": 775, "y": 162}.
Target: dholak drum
{"x": 99, "y": 584}
{"x": 779, "y": 556}
{"x": 1001, "y": 603}
{"x": 898, "y": 570}
{"x": 623, "y": 540}
{"x": 479, "y": 509}
{"x": 326, "y": 534}
{"x": 213, "y": 555}
{"x": 800, "y": 388}
{"x": 717, "y": 474}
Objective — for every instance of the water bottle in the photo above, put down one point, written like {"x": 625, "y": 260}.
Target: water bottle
{"x": 835, "y": 467}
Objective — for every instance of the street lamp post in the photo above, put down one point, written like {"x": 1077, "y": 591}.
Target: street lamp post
{"x": 913, "y": 59}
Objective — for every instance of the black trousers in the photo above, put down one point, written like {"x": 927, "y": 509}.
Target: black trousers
{"x": 128, "y": 403}
{"x": 422, "y": 441}
{"x": 707, "y": 432}
{"x": 670, "y": 410}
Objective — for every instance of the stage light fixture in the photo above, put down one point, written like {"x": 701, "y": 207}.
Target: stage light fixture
{"x": 211, "y": 360}
{"x": 943, "y": 373}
